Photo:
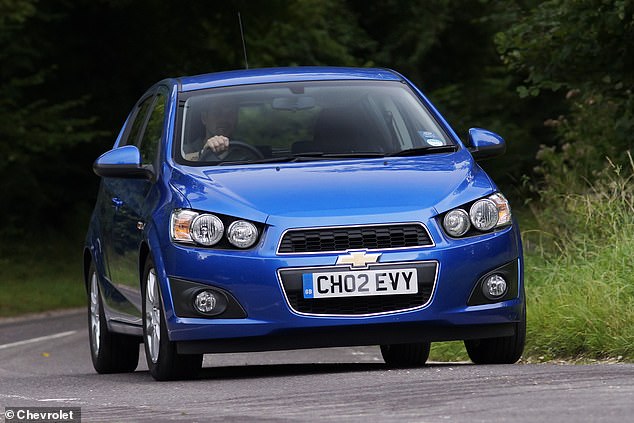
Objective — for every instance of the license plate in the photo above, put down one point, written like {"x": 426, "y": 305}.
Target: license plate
{"x": 362, "y": 282}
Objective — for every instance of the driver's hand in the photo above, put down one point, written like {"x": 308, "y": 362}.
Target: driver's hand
{"x": 217, "y": 144}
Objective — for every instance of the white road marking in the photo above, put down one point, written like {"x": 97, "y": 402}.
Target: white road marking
{"x": 75, "y": 401}
{"x": 16, "y": 397}
{"x": 41, "y": 338}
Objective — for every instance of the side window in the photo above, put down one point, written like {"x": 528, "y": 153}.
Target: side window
{"x": 153, "y": 131}
{"x": 137, "y": 124}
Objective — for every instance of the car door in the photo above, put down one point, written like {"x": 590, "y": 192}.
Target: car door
{"x": 114, "y": 235}
{"x": 136, "y": 198}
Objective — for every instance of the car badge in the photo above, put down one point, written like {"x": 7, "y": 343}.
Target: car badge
{"x": 358, "y": 258}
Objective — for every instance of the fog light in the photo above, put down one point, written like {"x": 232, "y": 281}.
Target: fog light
{"x": 494, "y": 287}
{"x": 205, "y": 302}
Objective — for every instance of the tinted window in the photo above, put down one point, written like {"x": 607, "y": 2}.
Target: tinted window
{"x": 153, "y": 131}
{"x": 137, "y": 124}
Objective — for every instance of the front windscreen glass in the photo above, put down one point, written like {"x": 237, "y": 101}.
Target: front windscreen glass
{"x": 304, "y": 120}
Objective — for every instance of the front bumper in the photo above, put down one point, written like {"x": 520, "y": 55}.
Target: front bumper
{"x": 271, "y": 322}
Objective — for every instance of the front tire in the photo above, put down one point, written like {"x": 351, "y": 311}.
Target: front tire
{"x": 406, "y": 355}
{"x": 110, "y": 352}
{"x": 503, "y": 350}
{"x": 163, "y": 361}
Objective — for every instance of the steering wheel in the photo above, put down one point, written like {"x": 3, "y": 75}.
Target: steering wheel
{"x": 237, "y": 151}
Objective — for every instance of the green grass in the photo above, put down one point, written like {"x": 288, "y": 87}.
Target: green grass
{"x": 41, "y": 275}
{"x": 580, "y": 275}
{"x": 448, "y": 351}
{"x": 583, "y": 306}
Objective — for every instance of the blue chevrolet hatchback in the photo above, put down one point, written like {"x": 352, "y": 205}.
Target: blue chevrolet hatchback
{"x": 288, "y": 208}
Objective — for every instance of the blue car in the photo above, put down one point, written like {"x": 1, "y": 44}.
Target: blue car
{"x": 289, "y": 208}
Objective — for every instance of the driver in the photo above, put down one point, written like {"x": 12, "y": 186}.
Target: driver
{"x": 220, "y": 121}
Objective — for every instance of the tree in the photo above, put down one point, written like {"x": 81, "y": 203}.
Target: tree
{"x": 34, "y": 133}
{"x": 583, "y": 50}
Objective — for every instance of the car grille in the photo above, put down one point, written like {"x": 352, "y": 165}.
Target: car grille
{"x": 338, "y": 239}
{"x": 359, "y": 305}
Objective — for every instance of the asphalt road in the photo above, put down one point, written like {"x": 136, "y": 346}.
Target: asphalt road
{"x": 45, "y": 362}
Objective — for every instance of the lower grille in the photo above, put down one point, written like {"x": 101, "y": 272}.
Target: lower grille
{"x": 359, "y": 305}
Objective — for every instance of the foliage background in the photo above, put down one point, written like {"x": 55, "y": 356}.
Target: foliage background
{"x": 70, "y": 70}
{"x": 554, "y": 77}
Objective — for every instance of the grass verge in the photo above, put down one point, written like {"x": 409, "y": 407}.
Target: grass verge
{"x": 580, "y": 275}
{"x": 42, "y": 276}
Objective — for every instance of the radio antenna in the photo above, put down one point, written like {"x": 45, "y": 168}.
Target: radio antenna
{"x": 244, "y": 46}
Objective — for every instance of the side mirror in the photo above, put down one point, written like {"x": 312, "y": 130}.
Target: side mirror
{"x": 485, "y": 144}
{"x": 122, "y": 162}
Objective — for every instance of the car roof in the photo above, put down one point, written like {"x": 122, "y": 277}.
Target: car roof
{"x": 290, "y": 74}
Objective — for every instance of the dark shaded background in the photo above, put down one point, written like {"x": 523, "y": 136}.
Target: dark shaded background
{"x": 70, "y": 70}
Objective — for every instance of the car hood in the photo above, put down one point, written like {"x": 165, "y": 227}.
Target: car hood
{"x": 321, "y": 190}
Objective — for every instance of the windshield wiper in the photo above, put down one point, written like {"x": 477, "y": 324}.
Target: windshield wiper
{"x": 351, "y": 155}
{"x": 304, "y": 157}
{"x": 318, "y": 155}
{"x": 419, "y": 151}
{"x": 282, "y": 159}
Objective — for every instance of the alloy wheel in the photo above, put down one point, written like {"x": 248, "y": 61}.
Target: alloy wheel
{"x": 152, "y": 316}
{"x": 95, "y": 328}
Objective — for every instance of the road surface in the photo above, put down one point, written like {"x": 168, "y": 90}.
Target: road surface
{"x": 45, "y": 362}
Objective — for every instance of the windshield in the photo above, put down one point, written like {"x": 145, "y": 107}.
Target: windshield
{"x": 309, "y": 120}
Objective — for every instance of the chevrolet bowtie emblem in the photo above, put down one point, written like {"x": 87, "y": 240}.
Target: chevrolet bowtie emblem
{"x": 358, "y": 258}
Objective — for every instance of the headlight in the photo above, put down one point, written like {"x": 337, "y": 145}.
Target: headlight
{"x": 207, "y": 229}
{"x": 484, "y": 215}
{"x": 192, "y": 227}
{"x": 456, "y": 222}
{"x": 242, "y": 234}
